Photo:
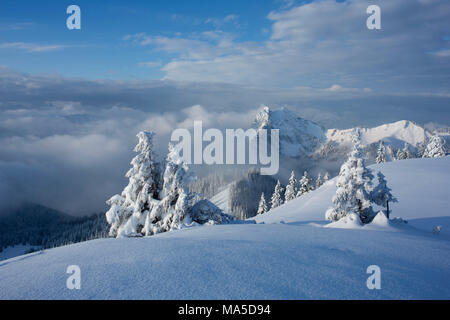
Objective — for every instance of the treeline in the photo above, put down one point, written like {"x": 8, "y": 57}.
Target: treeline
{"x": 44, "y": 228}
{"x": 245, "y": 194}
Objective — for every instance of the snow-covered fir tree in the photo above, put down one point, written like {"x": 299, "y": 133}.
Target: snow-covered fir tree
{"x": 435, "y": 147}
{"x": 319, "y": 181}
{"x": 176, "y": 200}
{"x": 381, "y": 153}
{"x": 262, "y": 206}
{"x": 145, "y": 208}
{"x": 381, "y": 194}
{"x": 404, "y": 153}
{"x": 128, "y": 211}
{"x": 354, "y": 187}
{"x": 291, "y": 188}
{"x": 326, "y": 177}
{"x": 305, "y": 185}
{"x": 421, "y": 149}
{"x": 391, "y": 153}
{"x": 276, "y": 200}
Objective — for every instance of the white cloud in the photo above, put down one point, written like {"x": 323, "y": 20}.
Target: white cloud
{"x": 221, "y": 22}
{"x": 321, "y": 43}
{"x": 150, "y": 64}
{"x": 31, "y": 47}
{"x": 442, "y": 53}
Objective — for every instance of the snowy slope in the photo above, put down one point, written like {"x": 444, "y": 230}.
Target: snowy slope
{"x": 14, "y": 251}
{"x": 221, "y": 199}
{"x": 395, "y": 134}
{"x": 295, "y": 260}
{"x": 239, "y": 262}
{"x": 421, "y": 186}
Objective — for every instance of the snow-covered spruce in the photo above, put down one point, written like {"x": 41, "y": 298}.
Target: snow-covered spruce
{"x": 305, "y": 185}
{"x": 405, "y": 153}
{"x": 276, "y": 200}
{"x": 291, "y": 188}
{"x": 381, "y": 153}
{"x": 262, "y": 206}
{"x": 390, "y": 150}
{"x": 319, "y": 181}
{"x": 326, "y": 177}
{"x": 435, "y": 148}
{"x": 128, "y": 211}
{"x": 382, "y": 195}
{"x": 354, "y": 188}
{"x": 144, "y": 208}
{"x": 176, "y": 200}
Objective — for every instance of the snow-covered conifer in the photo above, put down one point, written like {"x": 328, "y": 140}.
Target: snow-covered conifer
{"x": 354, "y": 187}
{"x": 176, "y": 200}
{"x": 381, "y": 194}
{"x": 262, "y": 206}
{"x": 435, "y": 147}
{"x": 326, "y": 177}
{"x": 128, "y": 211}
{"x": 276, "y": 200}
{"x": 391, "y": 153}
{"x": 399, "y": 155}
{"x": 319, "y": 181}
{"x": 381, "y": 153}
{"x": 305, "y": 185}
{"x": 405, "y": 153}
{"x": 291, "y": 188}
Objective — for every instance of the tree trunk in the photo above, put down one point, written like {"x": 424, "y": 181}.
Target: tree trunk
{"x": 387, "y": 209}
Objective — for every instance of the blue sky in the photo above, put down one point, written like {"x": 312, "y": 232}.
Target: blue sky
{"x": 71, "y": 102}
{"x": 275, "y": 43}
{"x": 98, "y": 51}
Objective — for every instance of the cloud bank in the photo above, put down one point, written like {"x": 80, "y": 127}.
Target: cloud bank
{"x": 66, "y": 142}
{"x": 322, "y": 41}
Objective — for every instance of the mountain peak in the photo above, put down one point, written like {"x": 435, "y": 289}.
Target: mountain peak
{"x": 298, "y": 137}
{"x": 396, "y": 134}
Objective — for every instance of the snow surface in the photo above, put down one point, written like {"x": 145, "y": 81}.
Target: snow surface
{"x": 297, "y": 259}
{"x": 221, "y": 199}
{"x": 420, "y": 185}
{"x": 14, "y": 251}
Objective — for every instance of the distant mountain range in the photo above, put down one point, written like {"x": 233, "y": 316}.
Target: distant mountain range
{"x": 305, "y": 145}
{"x": 303, "y": 138}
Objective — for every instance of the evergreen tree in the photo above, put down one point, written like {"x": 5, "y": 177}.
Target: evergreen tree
{"x": 262, "y": 206}
{"x": 305, "y": 185}
{"x": 176, "y": 200}
{"x": 390, "y": 150}
{"x": 326, "y": 177}
{"x": 400, "y": 155}
{"x": 129, "y": 210}
{"x": 382, "y": 195}
{"x": 435, "y": 147}
{"x": 319, "y": 181}
{"x": 276, "y": 200}
{"x": 290, "y": 188}
{"x": 354, "y": 187}
{"x": 381, "y": 154}
{"x": 421, "y": 149}
{"x": 405, "y": 153}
